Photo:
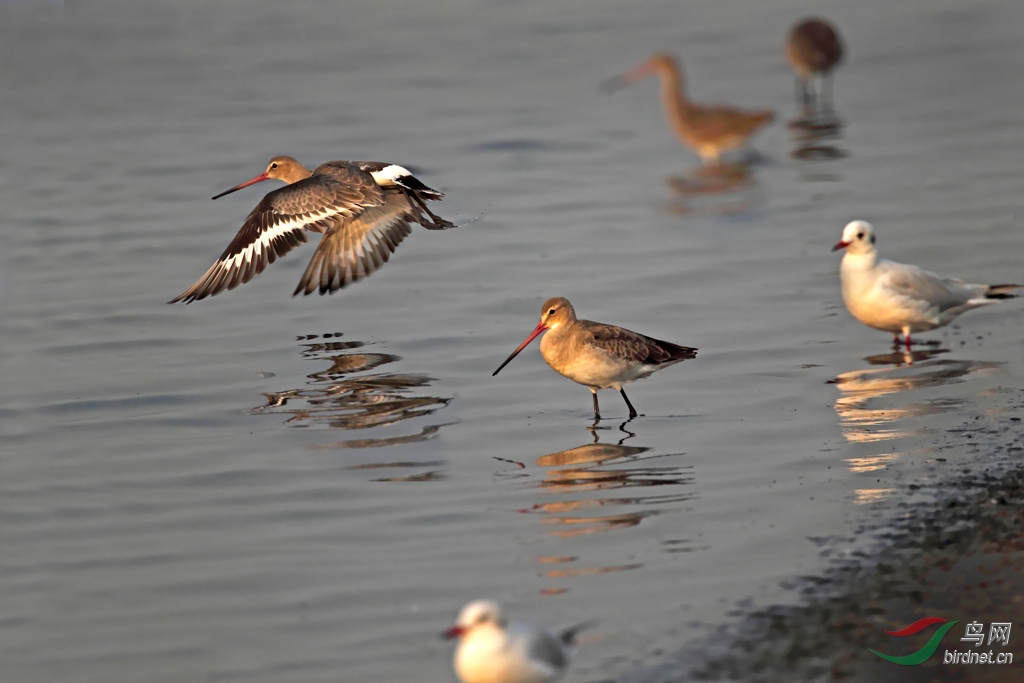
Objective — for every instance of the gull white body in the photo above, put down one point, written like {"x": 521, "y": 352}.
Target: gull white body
{"x": 493, "y": 651}
{"x": 899, "y": 297}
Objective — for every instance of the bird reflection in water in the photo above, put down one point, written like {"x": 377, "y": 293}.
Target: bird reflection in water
{"x": 814, "y": 135}
{"x": 715, "y": 189}
{"x": 340, "y": 398}
{"x": 582, "y": 478}
{"x": 866, "y": 415}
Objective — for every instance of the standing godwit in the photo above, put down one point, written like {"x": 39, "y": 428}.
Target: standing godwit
{"x": 363, "y": 207}
{"x": 709, "y": 131}
{"x": 491, "y": 650}
{"x": 899, "y": 297}
{"x": 596, "y": 355}
{"x": 813, "y": 48}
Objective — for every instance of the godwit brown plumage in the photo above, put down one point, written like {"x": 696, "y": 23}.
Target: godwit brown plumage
{"x": 596, "y": 355}
{"x": 814, "y": 49}
{"x": 709, "y": 131}
{"x": 364, "y": 209}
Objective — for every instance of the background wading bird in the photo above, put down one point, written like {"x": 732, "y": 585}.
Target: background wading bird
{"x": 709, "y": 131}
{"x": 813, "y": 48}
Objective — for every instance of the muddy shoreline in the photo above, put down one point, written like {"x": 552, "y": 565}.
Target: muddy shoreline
{"x": 954, "y": 548}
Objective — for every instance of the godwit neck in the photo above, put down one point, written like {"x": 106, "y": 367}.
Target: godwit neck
{"x": 672, "y": 82}
{"x": 673, "y": 93}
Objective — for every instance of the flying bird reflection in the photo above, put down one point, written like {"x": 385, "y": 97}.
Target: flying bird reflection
{"x": 343, "y": 396}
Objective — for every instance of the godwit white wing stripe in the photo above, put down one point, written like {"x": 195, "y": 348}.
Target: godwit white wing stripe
{"x": 284, "y": 225}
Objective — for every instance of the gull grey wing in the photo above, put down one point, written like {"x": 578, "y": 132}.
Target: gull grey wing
{"x": 278, "y": 224}
{"x": 925, "y": 287}
{"x": 353, "y": 248}
{"x": 546, "y": 648}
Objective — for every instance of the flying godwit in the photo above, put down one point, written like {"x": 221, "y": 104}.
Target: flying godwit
{"x": 596, "y": 355}
{"x": 492, "y": 651}
{"x": 813, "y": 48}
{"x": 364, "y": 209}
{"x": 709, "y": 131}
{"x": 898, "y": 297}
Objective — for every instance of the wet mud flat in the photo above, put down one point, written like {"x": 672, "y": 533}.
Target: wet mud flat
{"x": 954, "y": 548}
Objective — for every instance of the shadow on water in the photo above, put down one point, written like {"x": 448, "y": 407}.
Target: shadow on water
{"x": 874, "y": 406}
{"x": 815, "y": 131}
{"x": 342, "y": 396}
{"x": 580, "y": 480}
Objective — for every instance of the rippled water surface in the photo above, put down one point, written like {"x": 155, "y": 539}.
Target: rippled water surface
{"x": 265, "y": 488}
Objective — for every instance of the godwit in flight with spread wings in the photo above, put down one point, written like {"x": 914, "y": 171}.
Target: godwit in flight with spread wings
{"x": 363, "y": 208}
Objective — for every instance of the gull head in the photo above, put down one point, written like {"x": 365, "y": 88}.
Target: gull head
{"x": 858, "y": 238}
{"x": 474, "y": 615}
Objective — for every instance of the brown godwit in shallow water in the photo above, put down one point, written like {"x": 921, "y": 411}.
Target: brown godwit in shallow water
{"x": 709, "y": 131}
{"x": 364, "y": 209}
{"x": 813, "y": 48}
{"x": 596, "y": 355}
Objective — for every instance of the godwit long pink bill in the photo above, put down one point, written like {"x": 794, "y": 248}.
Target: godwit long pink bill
{"x": 258, "y": 179}
{"x": 541, "y": 327}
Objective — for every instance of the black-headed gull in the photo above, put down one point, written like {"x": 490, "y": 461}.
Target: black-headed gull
{"x": 490, "y": 650}
{"x": 899, "y": 297}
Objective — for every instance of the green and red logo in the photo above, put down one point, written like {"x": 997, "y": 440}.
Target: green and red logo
{"x": 929, "y": 648}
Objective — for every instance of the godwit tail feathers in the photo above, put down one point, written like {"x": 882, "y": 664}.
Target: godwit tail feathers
{"x": 1001, "y": 291}
{"x": 677, "y": 352}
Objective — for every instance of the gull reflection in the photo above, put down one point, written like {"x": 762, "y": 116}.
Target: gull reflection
{"x": 339, "y": 398}
{"x": 866, "y": 411}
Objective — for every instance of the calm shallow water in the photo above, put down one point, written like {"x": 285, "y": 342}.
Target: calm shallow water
{"x": 269, "y": 488}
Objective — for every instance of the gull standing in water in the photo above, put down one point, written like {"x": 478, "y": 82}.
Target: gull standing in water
{"x": 364, "y": 209}
{"x": 490, "y": 650}
{"x": 899, "y": 297}
{"x": 709, "y": 131}
{"x": 596, "y": 355}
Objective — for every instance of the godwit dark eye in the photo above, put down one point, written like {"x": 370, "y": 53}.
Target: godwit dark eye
{"x": 273, "y": 165}
{"x": 860, "y": 235}
{"x": 551, "y": 312}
